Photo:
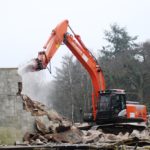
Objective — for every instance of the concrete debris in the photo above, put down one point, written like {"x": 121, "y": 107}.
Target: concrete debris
{"x": 51, "y": 127}
{"x": 53, "y": 115}
{"x": 41, "y": 127}
{"x": 91, "y": 138}
{"x": 36, "y": 108}
{"x": 37, "y": 142}
{"x": 83, "y": 126}
{"x": 145, "y": 134}
{"x": 72, "y": 136}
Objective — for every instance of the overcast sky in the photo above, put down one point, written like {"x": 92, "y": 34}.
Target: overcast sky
{"x": 26, "y": 24}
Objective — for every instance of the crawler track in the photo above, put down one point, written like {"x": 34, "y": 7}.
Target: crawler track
{"x": 116, "y": 128}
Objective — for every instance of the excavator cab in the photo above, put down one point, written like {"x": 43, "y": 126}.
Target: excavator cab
{"x": 114, "y": 108}
{"x": 111, "y": 106}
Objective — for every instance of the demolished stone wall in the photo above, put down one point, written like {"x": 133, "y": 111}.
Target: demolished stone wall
{"x": 14, "y": 121}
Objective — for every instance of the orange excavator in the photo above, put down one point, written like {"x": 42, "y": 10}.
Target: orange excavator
{"x": 108, "y": 106}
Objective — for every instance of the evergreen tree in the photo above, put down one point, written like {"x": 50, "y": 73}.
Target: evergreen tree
{"x": 118, "y": 39}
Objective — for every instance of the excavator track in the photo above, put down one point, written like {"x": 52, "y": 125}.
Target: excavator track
{"x": 120, "y": 127}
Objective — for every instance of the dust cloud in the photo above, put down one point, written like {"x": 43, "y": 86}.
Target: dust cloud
{"x": 35, "y": 83}
{"x": 27, "y": 67}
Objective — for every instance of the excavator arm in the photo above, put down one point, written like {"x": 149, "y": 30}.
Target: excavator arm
{"x": 54, "y": 41}
{"x": 60, "y": 35}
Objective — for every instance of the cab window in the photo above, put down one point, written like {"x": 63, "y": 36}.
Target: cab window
{"x": 104, "y": 104}
{"x": 118, "y": 102}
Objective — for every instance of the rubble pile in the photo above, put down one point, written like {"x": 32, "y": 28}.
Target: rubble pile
{"x": 51, "y": 127}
